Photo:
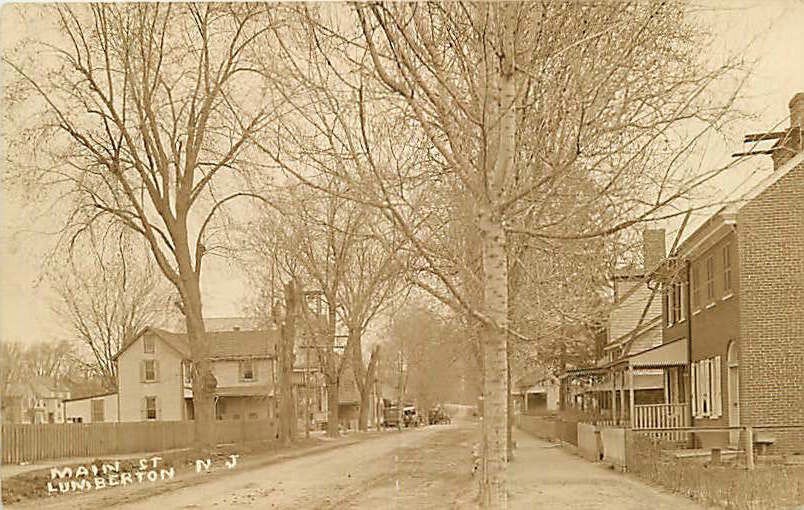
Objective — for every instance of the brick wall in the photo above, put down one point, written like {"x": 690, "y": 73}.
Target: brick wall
{"x": 771, "y": 254}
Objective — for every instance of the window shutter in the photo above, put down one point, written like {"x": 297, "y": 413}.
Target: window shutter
{"x": 240, "y": 371}
{"x": 143, "y": 409}
{"x": 156, "y": 370}
{"x": 142, "y": 371}
{"x": 717, "y": 406}
{"x": 255, "y": 365}
{"x": 158, "y": 405}
{"x": 694, "y": 388}
{"x": 703, "y": 383}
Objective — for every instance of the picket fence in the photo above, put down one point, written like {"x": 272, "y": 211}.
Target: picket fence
{"x": 29, "y": 442}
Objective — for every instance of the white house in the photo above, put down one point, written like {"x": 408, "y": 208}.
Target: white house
{"x": 155, "y": 382}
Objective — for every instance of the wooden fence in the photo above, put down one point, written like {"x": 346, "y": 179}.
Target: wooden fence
{"x": 29, "y": 443}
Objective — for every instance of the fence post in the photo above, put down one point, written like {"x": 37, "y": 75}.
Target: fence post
{"x": 749, "y": 448}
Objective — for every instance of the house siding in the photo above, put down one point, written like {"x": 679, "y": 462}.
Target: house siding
{"x": 771, "y": 251}
{"x": 167, "y": 389}
{"x": 227, "y": 372}
{"x": 715, "y": 323}
{"x": 625, "y": 315}
{"x": 83, "y": 408}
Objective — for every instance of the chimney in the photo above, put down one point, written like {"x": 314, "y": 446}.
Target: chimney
{"x": 653, "y": 248}
{"x": 796, "y": 106}
{"x": 791, "y": 144}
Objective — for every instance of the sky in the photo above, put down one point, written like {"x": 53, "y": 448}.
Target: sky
{"x": 768, "y": 32}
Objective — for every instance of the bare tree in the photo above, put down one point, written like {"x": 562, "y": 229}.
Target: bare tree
{"x": 108, "y": 292}
{"x": 12, "y": 367}
{"x": 550, "y": 121}
{"x": 145, "y": 117}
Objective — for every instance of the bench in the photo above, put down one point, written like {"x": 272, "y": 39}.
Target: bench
{"x": 764, "y": 440}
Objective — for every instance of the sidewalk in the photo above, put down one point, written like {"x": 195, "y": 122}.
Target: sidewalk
{"x": 544, "y": 475}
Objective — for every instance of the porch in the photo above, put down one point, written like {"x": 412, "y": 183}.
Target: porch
{"x": 643, "y": 391}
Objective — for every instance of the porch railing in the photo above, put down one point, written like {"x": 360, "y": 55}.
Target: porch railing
{"x": 663, "y": 416}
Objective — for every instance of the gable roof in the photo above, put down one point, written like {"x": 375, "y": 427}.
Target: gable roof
{"x": 223, "y": 344}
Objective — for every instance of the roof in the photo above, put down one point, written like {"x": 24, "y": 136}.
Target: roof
{"x": 533, "y": 377}
{"x": 669, "y": 354}
{"x": 223, "y": 344}
{"x": 90, "y": 397}
{"x": 216, "y": 324}
{"x": 729, "y": 212}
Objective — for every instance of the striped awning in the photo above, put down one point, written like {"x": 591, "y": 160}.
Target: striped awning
{"x": 671, "y": 354}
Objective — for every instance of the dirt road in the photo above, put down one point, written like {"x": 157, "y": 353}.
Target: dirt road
{"x": 428, "y": 468}
{"x": 425, "y": 468}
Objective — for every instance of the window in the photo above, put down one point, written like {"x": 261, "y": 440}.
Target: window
{"x": 682, "y": 291}
{"x": 252, "y": 416}
{"x": 706, "y": 388}
{"x": 150, "y": 408}
{"x": 726, "y": 269}
{"x": 97, "y": 411}
{"x": 676, "y": 302}
{"x": 710, "y": 278}
{"x": 187, "y": 369}
{"x": 148, "y": 344}
{"x": 668, "y": 303}
{"x": 247, "y": 371}
{"x": 696, "y": 288}
{"x": 149, "y": 370}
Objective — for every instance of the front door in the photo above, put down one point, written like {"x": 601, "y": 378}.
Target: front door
{"x": 734, "y": 395}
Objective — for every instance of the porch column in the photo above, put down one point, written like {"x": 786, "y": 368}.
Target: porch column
{"x": 613, "y": 395}
{"x": 631, "y": 395}
{"x": 622, "y": 396}
{"x": 526, "y": 402}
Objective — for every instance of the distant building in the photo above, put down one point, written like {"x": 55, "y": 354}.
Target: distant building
{"x": 537, "y": 393}
{"x": 36, "y": 401}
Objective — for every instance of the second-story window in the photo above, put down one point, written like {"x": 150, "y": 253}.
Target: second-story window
{"x": 710, "y": 278}
{"x": 726, "y": 269}
{"x": 682, "y": 289}
{"x": 149, "y": 370}
{"x": 247, "y": 370}
{"x": 676, "y": 302}
{"x": 668, "y": 303}
{"x": 187, "y": 369}
{"x": 148, "y": 346}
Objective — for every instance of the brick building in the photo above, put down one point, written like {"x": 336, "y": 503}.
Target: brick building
{"x": 735, "y": 293}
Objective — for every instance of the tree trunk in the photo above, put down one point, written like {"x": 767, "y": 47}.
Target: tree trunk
{"x": 509, "y": 441}
{"x": 333, "y": 389}
{"x": 204, "y": 382}
{"x": 365, "y": 387}
{"x": 287, "y": 410}
{"x": 495, "y": 362}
